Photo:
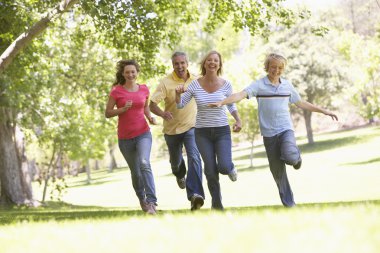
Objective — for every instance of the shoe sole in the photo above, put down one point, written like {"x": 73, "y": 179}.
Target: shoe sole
{"x": 197, "y": 203}
{"x": 181, "y": 185}
{"x": 298, "y": 165}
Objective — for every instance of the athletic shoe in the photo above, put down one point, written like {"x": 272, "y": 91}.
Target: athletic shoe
{"x": 298, "y": 165}
{"x": 233, "y": 175}
{"x": 144, "y": 205}
{"x": 196, "y": 202}
{"x": 181, "y": 182}
{"x": 152, "y": 209}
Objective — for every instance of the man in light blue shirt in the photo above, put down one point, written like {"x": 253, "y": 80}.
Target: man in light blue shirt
{"x": 274, "y": 94}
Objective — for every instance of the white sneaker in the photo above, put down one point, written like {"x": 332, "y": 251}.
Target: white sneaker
{"x": 233, "y": 175}
{"x": 144, "y": 205}
{"x": 151, "y": 209}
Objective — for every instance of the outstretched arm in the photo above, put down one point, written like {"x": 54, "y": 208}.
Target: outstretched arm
{"x": 313, "y": 108}
{"x": 236, "y": 97}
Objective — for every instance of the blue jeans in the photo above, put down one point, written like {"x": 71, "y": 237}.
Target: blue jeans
{"x": 136, "y": 152}
{"x": 194, "y": 173}
{"x": 282, "y": 149}
{"x": 214, "y": 144}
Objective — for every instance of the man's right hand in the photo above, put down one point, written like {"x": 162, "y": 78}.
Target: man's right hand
{"x": 167, "y": 116}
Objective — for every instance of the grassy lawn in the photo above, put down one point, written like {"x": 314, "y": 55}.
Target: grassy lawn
{"x": 337, "y": 193}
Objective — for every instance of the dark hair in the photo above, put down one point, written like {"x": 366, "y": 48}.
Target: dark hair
{"x": 120, "y": 69}
{"x": 178, "y": 53}
{"x": 203, "y": 69}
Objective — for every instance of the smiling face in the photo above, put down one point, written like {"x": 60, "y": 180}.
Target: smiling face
{"x": 212, "y": 63}
{"x": 275, "y": 69}
{"x": 130, "y": 73}
{"x": 180, "y": 66}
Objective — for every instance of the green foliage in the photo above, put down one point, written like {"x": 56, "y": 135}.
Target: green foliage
{"x": 256, "y": 16}
{"x": 80, "y": 77}
{"x": 249, "y": 116}
{"x": 362, "y": 56}
{"x": 138, "y": 28}
{"x": 314, "y": 64}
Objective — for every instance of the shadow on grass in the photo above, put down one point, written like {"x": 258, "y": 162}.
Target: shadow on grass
{"x": 104, "y": 178}
{"x": 249, "y": 168}
{"x": 65, "y": 212}
{"x": 376, "y": 160}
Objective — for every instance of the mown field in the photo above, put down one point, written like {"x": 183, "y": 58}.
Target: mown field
{"x": 337, "y": 193}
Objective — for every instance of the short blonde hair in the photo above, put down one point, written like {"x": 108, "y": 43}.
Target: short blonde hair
{"x": 275, "y": 56}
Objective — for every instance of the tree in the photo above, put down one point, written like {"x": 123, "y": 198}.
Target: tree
{"x": 314, "y": 67}
{"x": 136, "y": 29}
{"x": 362, "y": 56}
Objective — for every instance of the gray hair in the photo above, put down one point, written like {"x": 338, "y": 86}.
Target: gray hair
{"x": 179, "y": 53}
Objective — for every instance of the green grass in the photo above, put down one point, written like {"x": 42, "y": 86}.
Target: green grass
{"x": 337, "y": 193}
{"x": 333, "y": 227}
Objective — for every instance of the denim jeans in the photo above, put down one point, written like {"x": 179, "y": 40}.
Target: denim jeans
{"x": 136, "y": 152}
{"x": 282, "y": 149}
{"x": 175, "y": 144}
{"x": 214, "y": 144}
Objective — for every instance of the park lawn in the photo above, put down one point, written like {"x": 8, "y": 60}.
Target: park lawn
{"x": 330, "y": 228}
{"x": 340, "y": 166}
{"x": 337, "y": 193}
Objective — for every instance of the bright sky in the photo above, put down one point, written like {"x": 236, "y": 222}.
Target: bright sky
{"x": 312, "y": 4}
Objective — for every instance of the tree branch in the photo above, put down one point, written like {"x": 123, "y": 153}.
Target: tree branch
{"x": 26, "y": 38}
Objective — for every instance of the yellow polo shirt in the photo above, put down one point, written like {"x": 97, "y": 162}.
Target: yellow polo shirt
{"x": 183, "y": 119}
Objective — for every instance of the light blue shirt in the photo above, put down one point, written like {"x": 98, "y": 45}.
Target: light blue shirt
{"x": 273, "y": 104}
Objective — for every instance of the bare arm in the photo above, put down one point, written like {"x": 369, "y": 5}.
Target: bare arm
{"x": 157, "y": 110}
{"x": 147, "y": 113}
{"x": 313, "y": 108}
{"x": 237, "y": 126}
{"x": 110, "y": 108}
{"x": 236, "y": 97}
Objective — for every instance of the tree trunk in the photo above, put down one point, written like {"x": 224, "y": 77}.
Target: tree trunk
{"x": 49, "y": 172}
{"x": 26, "y": 176}
{"x": 97, "y": 165}
{"x": 60, "y": 172}
{"x": 88, "y": 172}
{"x": 251, "y": 154}
{"x": 309, "y": 129}
{"x": 112, "y": 164}
{"x": 11, "y": 176}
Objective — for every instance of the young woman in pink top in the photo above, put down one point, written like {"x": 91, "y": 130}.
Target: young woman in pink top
{"x": 129, "y": 101}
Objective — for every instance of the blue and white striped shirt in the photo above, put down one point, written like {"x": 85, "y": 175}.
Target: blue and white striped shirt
{"x": 208, "y": 116}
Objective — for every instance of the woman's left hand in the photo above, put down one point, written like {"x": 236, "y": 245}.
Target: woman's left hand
{"x": 237, "y": 126}
{"x": 152, "y": 120}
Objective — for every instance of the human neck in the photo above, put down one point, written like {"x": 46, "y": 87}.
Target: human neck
{"x": 211, "y": 76}
{"x": 129, "y": 84}
{"x": 274, "y": 80}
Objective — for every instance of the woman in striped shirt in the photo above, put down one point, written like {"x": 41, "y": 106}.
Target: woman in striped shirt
{"x": 212, "y": 131}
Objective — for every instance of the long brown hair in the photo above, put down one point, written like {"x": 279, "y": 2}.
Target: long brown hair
{"x": 120, "y": 69}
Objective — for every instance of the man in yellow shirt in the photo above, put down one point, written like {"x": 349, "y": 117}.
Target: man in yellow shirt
{"x": 179, "y": 130}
